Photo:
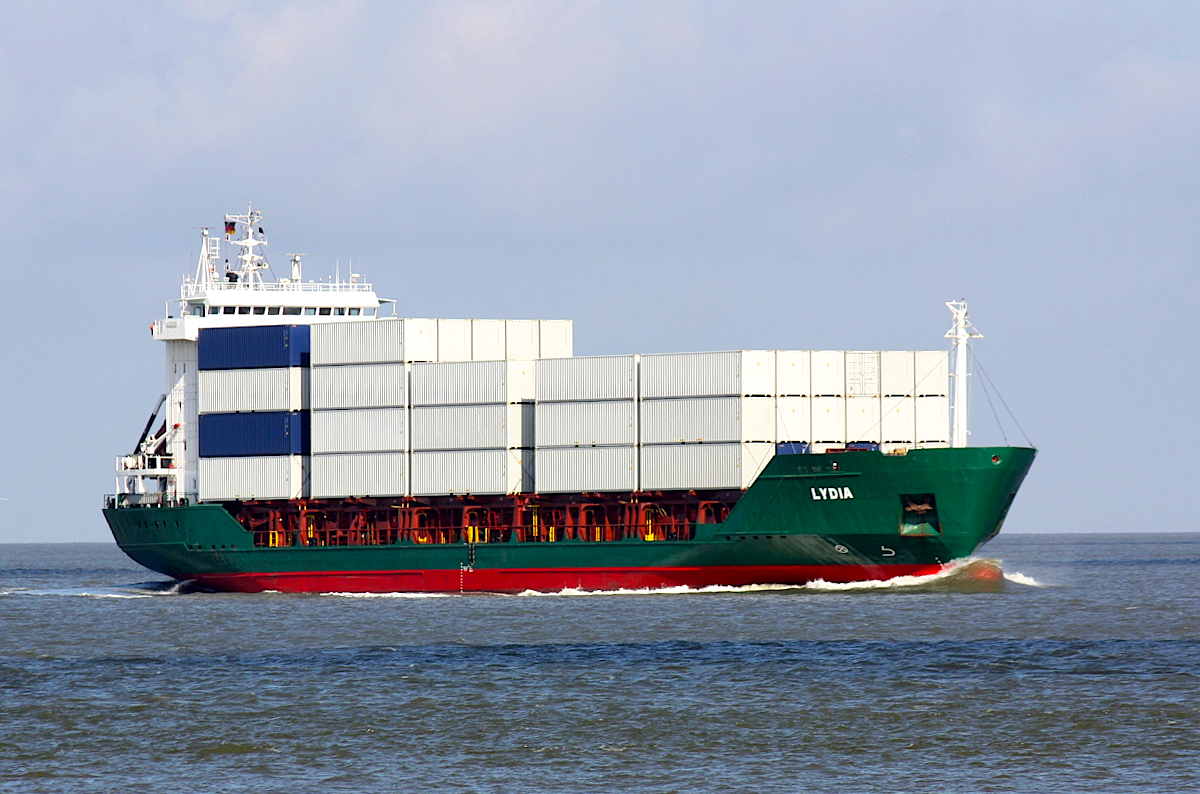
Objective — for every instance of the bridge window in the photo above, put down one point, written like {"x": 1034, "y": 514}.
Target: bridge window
{"x": 310, "y": 310}
{"x": 243, "y": 310}
{"x": 339, "y": 312}
{"x": 324, "y": 312}
{"x": 230, "y": 309}
{"x": 272, "y": 310}
{"x": 355, "y": 312}
{"x": 291, "y": 310}
{"x": 260, "y": 309}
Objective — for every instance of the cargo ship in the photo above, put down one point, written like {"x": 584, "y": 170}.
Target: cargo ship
{"x": 310, "y": 439}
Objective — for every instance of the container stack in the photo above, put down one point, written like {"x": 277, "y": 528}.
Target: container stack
{"x": 253, "y": 431}
{"x": 587, "y": 424}
{"x": 932, "y": 398}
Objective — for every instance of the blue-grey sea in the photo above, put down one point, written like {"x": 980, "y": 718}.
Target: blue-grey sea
{"x": 1079, "y": 671}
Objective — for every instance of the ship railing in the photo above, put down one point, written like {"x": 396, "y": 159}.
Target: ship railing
{"x": 119, "y": 501}
{"x": 192, "y": 289}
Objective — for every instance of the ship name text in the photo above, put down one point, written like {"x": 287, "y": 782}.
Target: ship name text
{"x": 836, "y": 492}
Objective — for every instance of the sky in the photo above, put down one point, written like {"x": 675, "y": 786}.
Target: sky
{"x": 670, "y": 175}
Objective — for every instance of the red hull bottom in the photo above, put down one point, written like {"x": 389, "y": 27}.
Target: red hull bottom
{"x": 549, "y": 580}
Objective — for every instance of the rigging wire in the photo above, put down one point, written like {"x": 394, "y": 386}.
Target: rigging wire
{"x": 988, "y": 395}
{"x": 1002, "y": 402}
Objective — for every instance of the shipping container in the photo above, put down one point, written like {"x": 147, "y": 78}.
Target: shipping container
{"x": 359, "y": 430}
{"x": 829, "y": 420}
{"x": 933, "y": 420}
{"x": 487, "y": 340}
{"x": 454, "y": 340}
{"x": 555, "y": 339}
{"x": 862, "y": 373}
{"x": 933, "y": 373}
{"x": 586, "y": 424}
{"x": 522, "y": 339}
{"x": 828, "y": 373}
{"x": 358, "y": 386}
{"x": 863, "y": 420}
{"x": 586, "y": 469}
{"x": 702, "y": 466}
{"x": 420, "y": 339}
{"x": 358, "y": 342}
{"x": 587, "y": 378}
{"x": 492, "y": 426}
{"x": 896, "y": 373}
{"x": 707, "y": 420}
{"x": 253, "y": 347}
{"x": 793, "y": 419}
{"x": 235, "y": 390}
{"x": 898, "y": 424}
{"x": 242, "y": 478}
{"x": 359, "y": 475}
{"x": 736, "y": 373}
{"x": 254, "y": 434}
{"x": 792, "y": 373}
{"x": 473, "y": 382}
{"x": 473, "y": 471}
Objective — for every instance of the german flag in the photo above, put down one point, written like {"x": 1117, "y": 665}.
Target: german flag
{"x": 230, "y": 228}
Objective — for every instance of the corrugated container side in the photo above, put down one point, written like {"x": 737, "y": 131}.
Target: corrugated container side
{"x": 231, "y": 479}
{"x": 829, "y": 420}
{"x": 828, "y": 373}
{"x": 933, "y": 373}
{"x": 233, "y": 390}
{"x": 896, "y": 378}
{"x": 473, "y": 382}
{"x": 597, "y": 423}
{"x": 371, "y": 474}
{"x": 899, "y": 420}
{"x": 707, "y": 420}
{"x": 420, "y": 339}
{"x": 717, "y": 374}
{"x": 474, "y": 471}
{"x": 254, "y": 434}
{"x": 359, "y": 430}
{"x": 487, "y": 340}
{"x": 586, "y": 378}
{"x": 454, "y": 340}
{"x": 358, "y": 386}
{"x": 862, "y": 373}
{"x": 253, "y": 347}
{"x": 575, "y": 470}
{"x": 933, "y": 420}
{"x": 863, "y": 419}
{"x": 521, "y": 339}
{"x": 793, "y": 419}
{"x": 358, "y": 342}
{"x": 702, "y": 466}
{"x": 496, "y": 426}
{"x": 554, "y": 339}
{"x": 792, "y": 373}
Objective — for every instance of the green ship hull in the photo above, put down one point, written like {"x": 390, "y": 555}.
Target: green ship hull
{"x": 839, "y": 517}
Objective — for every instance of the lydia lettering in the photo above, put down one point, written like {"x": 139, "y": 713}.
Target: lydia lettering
{"x": 836, "y": 492}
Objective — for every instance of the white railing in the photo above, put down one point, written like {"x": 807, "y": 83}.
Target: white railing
{"x": 191, "y": 289}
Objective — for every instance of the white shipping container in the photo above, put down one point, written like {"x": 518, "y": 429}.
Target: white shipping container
{"x": 792, "y": 373}
{"x": 828, "y": 373}
{"x": 898, "y": 425}
{"x": 793, "y": 419}
{"x": 554, "y": 339}
{"x": 707, "y": 420}
{"x": 420, "y": 339}
{"x": 494, "y": 426}
{"x": 587, "y": 378}
{"x": 487, "y": 340}
{"x": 862, "y": 373}
{"x": 734, "y": 373}
{"x": 473, "y": 471}
{"x": 521, "y": 339}
{"x": 702, "y": 466}
{"x": 356, "y": 342}
{"x": 358, "y": 386}
{"x": 454, "y": 340}
{"x": 896, "y": 378}
{"x": 829, "y": 420}
{"x": 863, "y": 419}
{"x": 473, "y": 382}
{"x": 233, "y": 390}
{"x": 933, "y": 420}
{"x": 359, "y": 430}
{"x": 585, "y": 424}
{"x": 369, "y": 474}
{"x": 574, "y": 470}
{"x": 933, "y": 373}
{"x": 273, "y": 477}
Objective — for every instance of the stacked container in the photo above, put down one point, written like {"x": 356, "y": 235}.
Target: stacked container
{"x": 932, "y": 398}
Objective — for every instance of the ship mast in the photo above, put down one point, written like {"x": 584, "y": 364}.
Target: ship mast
{"x": 249, "y": 260}
{"x": 960, "y": 336}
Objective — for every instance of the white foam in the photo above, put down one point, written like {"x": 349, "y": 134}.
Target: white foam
{"x": 1022, "y": 579}
{"x": 675, "y": 590}
{"x": 950, "y": 573}
{"x": 81, "y": 594}
{"x": 389, "y": 595}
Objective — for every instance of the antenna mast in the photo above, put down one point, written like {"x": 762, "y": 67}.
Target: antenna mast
{"x": 960, "y": 336}
{"x": 250, "y": 261}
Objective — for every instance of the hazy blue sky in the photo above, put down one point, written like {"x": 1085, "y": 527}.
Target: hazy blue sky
{"x": 672, "y": 176}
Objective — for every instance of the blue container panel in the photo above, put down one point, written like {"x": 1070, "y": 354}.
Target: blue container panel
{"x": 792, "y": 448}
{"x": 253, "y": 347}
{"x": 251, "y": 434}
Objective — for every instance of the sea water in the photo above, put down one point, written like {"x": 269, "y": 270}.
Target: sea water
{"x": 1049, "y": 663}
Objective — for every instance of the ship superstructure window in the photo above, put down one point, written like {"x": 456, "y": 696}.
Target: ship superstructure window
{"x": 339, "y": 311}
{"x": 230, "y": 309}
{"x": 324, "y": 312}
{"x": 260, "y": 309}
{"x": 291, "y": 310}
{"x": 354, "y": 312}
{"x": 272, "y": 310}
{"x": 243, "y": 310}
{"x": 369, "y": 312}
{"x": 918, "y": 514}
